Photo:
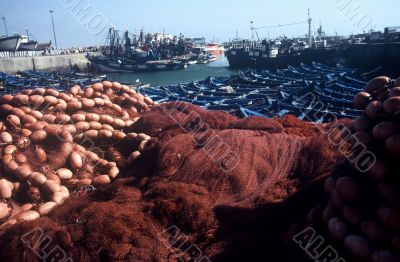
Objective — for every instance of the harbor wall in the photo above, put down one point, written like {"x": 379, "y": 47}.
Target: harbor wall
{"x": 43, "y": 63}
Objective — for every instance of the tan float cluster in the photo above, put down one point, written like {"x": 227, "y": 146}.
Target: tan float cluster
{"x": 52, "y": 143}
{"x": 364, "y": 208}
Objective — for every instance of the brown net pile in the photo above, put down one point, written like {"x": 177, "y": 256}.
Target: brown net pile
{"x": 225, "y": 184}
{"x": 118, "y": 224}
{"x": 258, "y": 161}
{"x": 237, "y": 160}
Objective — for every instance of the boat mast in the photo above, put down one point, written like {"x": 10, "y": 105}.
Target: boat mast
{"x": 27, "y": 33}
{"x": 127, "y": 44}
{"x": 112, "y": 35}
{"x": 253, "y": 32}
{"x": 5, "y": 26}
{"x": 309, "y": 27}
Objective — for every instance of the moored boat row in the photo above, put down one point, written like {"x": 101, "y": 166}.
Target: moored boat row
{"x": 12, "y": 84}
{"x": 315, "y": 92}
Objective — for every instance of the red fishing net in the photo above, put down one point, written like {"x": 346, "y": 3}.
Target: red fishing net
{"x": 229, "y": 185}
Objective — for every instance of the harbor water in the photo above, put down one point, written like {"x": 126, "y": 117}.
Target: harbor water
{"x": 191, "y": 73}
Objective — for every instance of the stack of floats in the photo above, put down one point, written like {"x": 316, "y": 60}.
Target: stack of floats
{"x": 362, "y": 212}
{"x": 52, "y": 143}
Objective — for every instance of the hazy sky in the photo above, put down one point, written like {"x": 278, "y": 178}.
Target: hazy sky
{"x": 84, "y": 22}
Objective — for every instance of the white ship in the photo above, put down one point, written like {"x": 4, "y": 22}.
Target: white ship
{"x": 214, "y": 49}
{"x": 27, "y": 45}
{"x": 10, "y": 43}
{"x": 18, "y": 42}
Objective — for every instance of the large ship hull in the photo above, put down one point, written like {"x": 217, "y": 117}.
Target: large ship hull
{"x": 10, "y": 43}
{"x": 103, "y": 65}
{"x": 366, "y": 56}
{"x": 109, "y": 69}
{"x": 29, "y": 46}
{"x": 240, "y": 59}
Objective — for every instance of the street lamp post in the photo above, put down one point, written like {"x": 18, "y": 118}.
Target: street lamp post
{"x": 54, "y": 31}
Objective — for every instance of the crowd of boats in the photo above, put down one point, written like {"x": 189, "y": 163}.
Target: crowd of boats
{"x": 127, "y": 52}
{"x": 365, "y": 50}
{"x": 314, "y": 92}
{"x": 13, "y": 84}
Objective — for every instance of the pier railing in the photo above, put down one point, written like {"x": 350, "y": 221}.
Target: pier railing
{"x": 10, "y": 54}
